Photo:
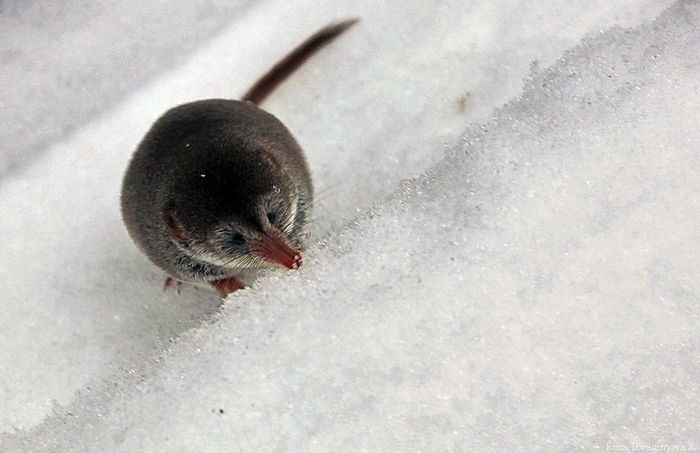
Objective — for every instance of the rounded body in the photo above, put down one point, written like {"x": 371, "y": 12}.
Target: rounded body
{"x": 225, "y": 144}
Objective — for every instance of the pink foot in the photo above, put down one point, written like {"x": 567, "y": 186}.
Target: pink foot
{"x": 169, "y": 282}
{"x": 227, "y": 285}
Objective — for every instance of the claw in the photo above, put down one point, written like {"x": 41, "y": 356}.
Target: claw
{"x": 169, "y": 282}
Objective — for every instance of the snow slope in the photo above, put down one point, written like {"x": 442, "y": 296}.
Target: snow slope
{"x": 536, "y": 289}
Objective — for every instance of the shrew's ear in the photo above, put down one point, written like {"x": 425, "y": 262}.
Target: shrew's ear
{"x": 177, "y": 231}
{"x": 271, "y": 159}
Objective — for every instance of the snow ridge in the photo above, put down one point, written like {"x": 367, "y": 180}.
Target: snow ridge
{"x": 536, "y": 290}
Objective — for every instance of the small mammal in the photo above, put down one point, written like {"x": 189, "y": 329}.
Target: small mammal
{"x": 219, "y": 186}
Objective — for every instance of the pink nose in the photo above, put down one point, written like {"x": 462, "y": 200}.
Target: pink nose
{"x": 275, "y": 249}
{"x": 297, "y": 262}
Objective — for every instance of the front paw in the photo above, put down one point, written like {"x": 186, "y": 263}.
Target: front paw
{"x": 226, "y": 286}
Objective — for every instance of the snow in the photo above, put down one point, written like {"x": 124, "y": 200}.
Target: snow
{"x": 63, "y": 62}
{"x": 534, "y": 286}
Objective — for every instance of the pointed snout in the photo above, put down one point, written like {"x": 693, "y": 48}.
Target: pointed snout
{"x": 273, "y": 248}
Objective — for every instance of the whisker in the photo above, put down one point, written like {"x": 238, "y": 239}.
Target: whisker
{"x": 331, "y": 187}
{"x": 318, "y": 200}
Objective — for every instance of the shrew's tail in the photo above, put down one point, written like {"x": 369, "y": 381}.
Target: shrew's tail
{"x": 279, "y": 72}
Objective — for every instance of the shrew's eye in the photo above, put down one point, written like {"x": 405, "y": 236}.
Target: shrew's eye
{"x": 231, "y": 240}
{"x": 272, "y": 217}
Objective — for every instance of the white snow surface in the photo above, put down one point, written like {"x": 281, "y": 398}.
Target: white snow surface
{"x": 63, "y": 62}
{"x": 533, "y": 287}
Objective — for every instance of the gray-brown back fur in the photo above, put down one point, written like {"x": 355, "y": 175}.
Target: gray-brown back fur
{"x": 203, "y": 161}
